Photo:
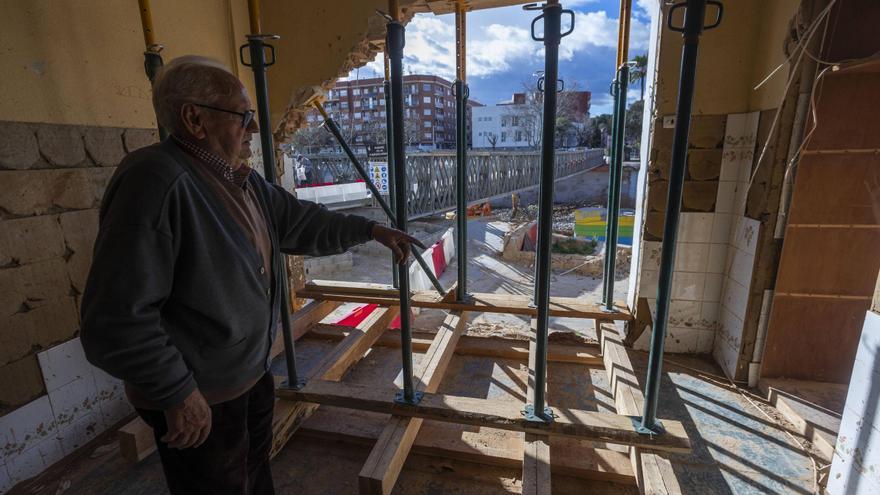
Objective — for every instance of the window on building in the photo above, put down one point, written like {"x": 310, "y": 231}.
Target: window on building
{"x": 357, "y": 103}
{"x": 504, "y": 121}
{"x": 381, "y": 89}
{"x": 358, "y": 127}
{"x": 343, "y": 92}
{"x": 503, "y": 137}
{"x": 519, "y": 136}
{"x": 426, "y": 87}
{"x": 426, "y": 99}
{"x": 427, "y": 135}
{"x": 357, "y": 115}
{"x": 343, "y": 104}
{"x": 311, "y": 118}
{"x": 358, "y": 139}
{"x": 426, "y": 123}
{"x": 427, "y": 111}
{"x": 356, "y": 91}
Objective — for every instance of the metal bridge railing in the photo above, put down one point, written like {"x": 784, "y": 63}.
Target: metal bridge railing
{"x": 431, "y": 176}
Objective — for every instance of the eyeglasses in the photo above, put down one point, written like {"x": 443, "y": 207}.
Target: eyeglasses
{"x": 246, "y": 117}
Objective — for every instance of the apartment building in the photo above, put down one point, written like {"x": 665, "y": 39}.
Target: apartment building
{"x": 517, "y": 124}
{"x": 429, "y": 111}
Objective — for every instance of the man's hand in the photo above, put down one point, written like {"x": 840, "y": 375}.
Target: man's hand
{"x": 189, "y": 422}
{"x": 398, "y": 242}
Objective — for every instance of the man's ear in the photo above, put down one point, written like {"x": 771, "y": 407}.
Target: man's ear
{"x": 193, "y": 120}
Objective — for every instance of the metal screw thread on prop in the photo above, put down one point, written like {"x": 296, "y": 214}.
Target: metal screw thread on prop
{"x": 615, "y": 172}
{"x": 461, "y": 190}
{"x": 394, "y": 44}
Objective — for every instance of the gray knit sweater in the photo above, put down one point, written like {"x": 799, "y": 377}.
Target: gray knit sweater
{"x": 175, "y": 299}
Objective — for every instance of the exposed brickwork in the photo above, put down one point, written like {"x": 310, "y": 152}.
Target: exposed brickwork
{"x": 28, "y": 240}
{"x": 138, "y": 138}
{"x": 62, "y": 145}
{"x": 704, "y": 164}
{"x": 41, "y": 192}
{"x": 705, "y": 143}
{"x": 699, "y": 195}
{"x": 104, "y": 145}
{"x": 80, "y": 229}
{"x": 18, "y": 145}
{"x": 54, "y": 177}
{"x": 22, "y": 381}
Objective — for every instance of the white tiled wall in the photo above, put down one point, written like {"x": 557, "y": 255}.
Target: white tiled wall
{"x": 696, "y": 284}
{"x": 855, "y": 467}
{"x": 81, "y": 402}
{"x": 740, "y": 135}
{"x": 714, "y": 260}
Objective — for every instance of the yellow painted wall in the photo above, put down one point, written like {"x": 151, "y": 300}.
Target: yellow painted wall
{"x": 773, "y": 32}
{"x": 732, "y": 59}
{"x": 81, "y": 62}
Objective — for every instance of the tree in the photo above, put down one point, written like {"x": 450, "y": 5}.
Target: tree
{"x": 492, "y": 138}
{"x": 633, "y": 125}
{"x": 311, "y": 138}
{"x": 528, "y": 118}
{"x": 639, "y": 73}
{"x": 598, "y": 130}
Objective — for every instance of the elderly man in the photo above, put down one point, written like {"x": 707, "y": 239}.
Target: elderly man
{"x": 184, "y": 295}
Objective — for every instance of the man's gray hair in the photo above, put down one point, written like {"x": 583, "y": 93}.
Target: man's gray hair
{"x": 190, "y": 79}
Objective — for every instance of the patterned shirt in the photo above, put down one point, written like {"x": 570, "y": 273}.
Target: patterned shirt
{"x": 216, "y": 164}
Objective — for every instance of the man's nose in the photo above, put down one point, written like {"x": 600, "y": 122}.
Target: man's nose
{"x": 253, "y": 127}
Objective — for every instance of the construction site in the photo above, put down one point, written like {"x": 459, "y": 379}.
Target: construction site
{"x": 699, "y": 318}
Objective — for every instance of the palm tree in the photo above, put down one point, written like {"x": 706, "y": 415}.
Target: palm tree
{"x": 639, "y": 73}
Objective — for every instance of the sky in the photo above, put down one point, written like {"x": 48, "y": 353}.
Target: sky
{"x": 502, "y": 57}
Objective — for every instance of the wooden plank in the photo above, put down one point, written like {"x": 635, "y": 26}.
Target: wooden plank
{"x": 587, "y": 425}
{"x": 289, "y": 415}
{"x": 480, "y": 302}
{"x": 383, "y": 466}
{"x": 303, "y": 320}
{"x": 536, "y": 448}
{"x": 654, "y": 473}
{"x": 334, "y": 366}
{"x": 489, "y": 446}
{"x": 497, "y": 347}
{"x": 644, "y": 319}
{"x": 136, "y": 440}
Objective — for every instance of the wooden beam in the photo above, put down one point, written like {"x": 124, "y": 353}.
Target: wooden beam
{"x": 497, "y": 347}
{"x": 489, "y": 446}
{"x": 654, "y": 473}
{"x": 536, "y": 465}
{"x": 643, "y": 321}
{"x": 480, "y": 303}
{"x": 385, "y": 462}
{"x": 536, "y": 448}
{"x": 587, "y": 425}
{"x": 136, "y": 440}
{"x": 289, "y": 415}
{"x": 303, "y": 320}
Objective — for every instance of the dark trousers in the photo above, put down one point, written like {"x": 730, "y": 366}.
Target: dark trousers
{"x": 235, "y": 457}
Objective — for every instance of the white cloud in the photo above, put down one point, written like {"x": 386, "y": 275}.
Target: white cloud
{"x": 596, "y": 29}
{"x": 501, "y": 46}
{"x": 495, "y": 48}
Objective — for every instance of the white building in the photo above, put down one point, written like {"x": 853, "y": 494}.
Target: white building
{"x": 499, "y": 126}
